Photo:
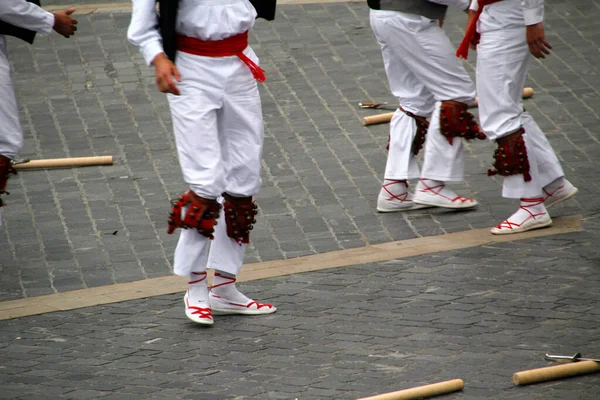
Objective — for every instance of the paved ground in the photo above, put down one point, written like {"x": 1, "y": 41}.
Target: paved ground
{"x": 478, "y": 314}
{"x": 92, "y": 95}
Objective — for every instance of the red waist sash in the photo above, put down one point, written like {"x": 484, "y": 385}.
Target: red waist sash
{"x": 231, "y": 46}
{"x": 471, "y": 31}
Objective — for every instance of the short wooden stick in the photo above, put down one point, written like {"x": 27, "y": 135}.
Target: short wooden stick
{"x": 377, "y": 119}
{"x": 555, "y": 372}
{"x": 387, "y": 117}
{"x": 66, "y": 162}
{"x": 420, "y": 392}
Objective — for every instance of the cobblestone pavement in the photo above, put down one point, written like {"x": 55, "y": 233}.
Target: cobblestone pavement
{"x": 92, "y": 95}
{"x": 478, "y": 314}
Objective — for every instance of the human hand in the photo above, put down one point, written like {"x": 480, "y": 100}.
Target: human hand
{"x": 165, "y": 70}
{"x": 536, "y": 40}
{"x": 64, "y": 24}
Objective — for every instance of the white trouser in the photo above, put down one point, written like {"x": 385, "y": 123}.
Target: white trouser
{"x": 502, "y": 62}
{"x": 218, "y": 126}
{"x": 11, "y": 134}
{"x": 422, "y": 71}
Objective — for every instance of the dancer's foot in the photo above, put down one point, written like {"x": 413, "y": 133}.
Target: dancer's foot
{"x": 197, "y": 304}
{"x": 531, "y": 215}
{"x": 558, "y": 191}
{"x": 437, "y": 194}
{"x": 225, "y": 298}
{"x": 394, "y": 197}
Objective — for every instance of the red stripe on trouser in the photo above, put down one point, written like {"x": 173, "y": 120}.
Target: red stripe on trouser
{"x": 231, "y": 46}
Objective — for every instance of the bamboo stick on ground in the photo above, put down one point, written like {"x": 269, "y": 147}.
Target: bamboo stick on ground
{"x": 66, "y": 162}
{"x": 387, "y": 117}
{"x": 555, "y": 372}
{"x": 420, "y": 392}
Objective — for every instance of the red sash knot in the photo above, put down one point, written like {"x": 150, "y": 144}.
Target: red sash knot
{"x": 231, "y": 46}
{"x": 471, "y": 31}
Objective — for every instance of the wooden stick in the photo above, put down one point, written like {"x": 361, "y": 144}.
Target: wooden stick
{"x": 421, "y": 391}
{"x": 387, "y": 117}
{"x": 66, "y": 162}
{"x": 555, "y": 372}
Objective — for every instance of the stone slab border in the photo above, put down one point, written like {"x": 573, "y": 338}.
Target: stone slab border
{"x": 369, "y": 254}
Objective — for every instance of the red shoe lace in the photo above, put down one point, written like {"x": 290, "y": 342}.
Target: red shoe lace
{"x": 536, "y": 201}
{"x": 201, "y": 312}
{"x": 233, "y": 280}
{"x": 439, "y": 192}
{"x": 548, "y": 195}
{"x": 202, "y": 274}
{"x": 403, "y": 197}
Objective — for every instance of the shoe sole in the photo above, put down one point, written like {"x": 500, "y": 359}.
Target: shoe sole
{"x": 411, "y": 208}
{"x": 224, "y": 311}
{"x": 452, "y": 207}
{"x": 520, "y": 230}
{"x": 557, "y": 201}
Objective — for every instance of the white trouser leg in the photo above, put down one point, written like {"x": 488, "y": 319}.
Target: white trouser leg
{"x": 502, "y": 63}
{"x": 225, "y": 253}
{"x": 442, "y": 161}
{"x": 195, "y": 125}
{"x": 11, "y": 134}
{"x": 401, "y": 163}
{"x": 191, "y": 253}
{"x": 549, "y": 168}
{"x": 241, "y": 134}
{"x": 422, "y": 68}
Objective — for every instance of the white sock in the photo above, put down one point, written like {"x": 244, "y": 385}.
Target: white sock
{"x": 224, "y": 287}
{"x": 530, "y": 208}
{"x": 198, "y": 289}
{"x": 395, "y": 190}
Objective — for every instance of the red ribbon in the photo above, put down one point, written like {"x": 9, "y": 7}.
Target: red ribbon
{"x": 471, "y": 31}
{"x": 231, "y": 46}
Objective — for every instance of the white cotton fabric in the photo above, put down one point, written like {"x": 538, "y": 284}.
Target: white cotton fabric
{"x": 502, "y": 62}
{"x": 11, "y": 134}
{"x": 197, "y": 253}
{"x": 218, "y": 126}
{"x": 32, "y": 17}
{"x": 422, "y": 71}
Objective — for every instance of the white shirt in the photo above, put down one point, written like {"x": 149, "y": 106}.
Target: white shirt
{"x": 202, "y": 19}
{"x": 533, "y": 10}
{"x": 460, "y": 4}
{"x": 26, "y": 15}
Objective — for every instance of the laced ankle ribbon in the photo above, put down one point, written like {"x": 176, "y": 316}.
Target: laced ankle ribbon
{"x": 535, "y": 201}
{"x": 231, "y": 281}
{"x": 551, "y": 194}
{"x": 403, "y": 197}
{"x": 201, "y": 312}
{"x": 437, "y": 190}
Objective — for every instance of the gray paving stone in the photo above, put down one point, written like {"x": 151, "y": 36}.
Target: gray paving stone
{"x": 344, "y": 333}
